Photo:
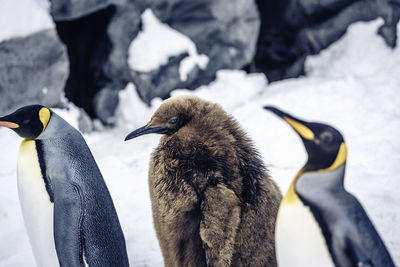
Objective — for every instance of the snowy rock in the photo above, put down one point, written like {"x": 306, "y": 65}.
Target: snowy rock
{"x": 157, "y": 69}
{"x": 122, "y": 29}
{"x": 23, "y": 17}
{"x": 146, "y": 53}
{"x": 33, "y": 70}
{"x": 206, "y": 36}
{"x": 294, "y": 29}
{"x": 224, "y": 31}
{"x": 98, "y": 56}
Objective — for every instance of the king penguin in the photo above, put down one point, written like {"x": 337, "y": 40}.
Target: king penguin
{"x": 319, "y": 223}
{"x": 67, "y": 209}
{"x": 213, "y": 202}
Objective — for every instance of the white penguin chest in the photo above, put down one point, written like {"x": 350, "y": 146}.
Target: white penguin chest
{"x": 298, "y": 238}
{"x": 37, "y": 209}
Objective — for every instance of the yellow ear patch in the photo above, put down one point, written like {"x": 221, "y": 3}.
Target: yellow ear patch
{"x": 301, "y": 129}
{"x": 340, "y": 158}
{"x": 44, "y": 116}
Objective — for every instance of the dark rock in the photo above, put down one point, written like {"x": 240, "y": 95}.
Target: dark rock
{"x": 158, "y": 83}
{"x": 389, "y": 30}
{"x": 88, "y": 49}
{"x": 123, "y": 28}
{"x": 72, "y": 9}
{"x": 98, "y": 35}
{"x": 293, "y": 29}
{"x": 97, "y": 45}
{"x": 85, "y": 124}
{"x": 33, "y": 70}
{"x": 225, "y": 31}
{"x": 105, "y": 104}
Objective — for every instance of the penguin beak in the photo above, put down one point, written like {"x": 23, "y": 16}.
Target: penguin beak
{"x": 5, "y": 122}
{"x": 145, "y": 130}
{"x": 298, "y": 125}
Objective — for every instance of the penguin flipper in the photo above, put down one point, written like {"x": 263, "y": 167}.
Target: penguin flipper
{"x": 357, "y": 255}
{"x": 219, "y": 225}
{"x": 68, "y": 215}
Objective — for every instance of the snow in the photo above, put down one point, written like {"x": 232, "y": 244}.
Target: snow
{"x": 129, "y": 98}
{"x": 157, "y": 42}
{"x": 20, "y": 18}
{"x": 353, "y": 85}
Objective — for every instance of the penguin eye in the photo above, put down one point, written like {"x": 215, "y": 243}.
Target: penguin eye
{"x": 326, "y": 137}
{"x": 173, "y": 120}
{"x": 26, "y": 121}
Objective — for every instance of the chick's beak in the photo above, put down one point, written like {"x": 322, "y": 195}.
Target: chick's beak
{"x": 145, "y": 130}
{"x": 5, "y": 122}
{"x": 298, "y": 125}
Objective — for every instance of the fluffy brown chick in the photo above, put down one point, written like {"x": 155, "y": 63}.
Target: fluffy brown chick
{"x": 213, "y": 202}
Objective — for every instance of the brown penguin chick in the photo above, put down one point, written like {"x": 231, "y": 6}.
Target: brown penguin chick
{"x": 213, "y": 202}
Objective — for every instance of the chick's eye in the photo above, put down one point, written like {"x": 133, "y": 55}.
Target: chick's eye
{"x": 173, "y": 120}
{"x": 26, "y": 121}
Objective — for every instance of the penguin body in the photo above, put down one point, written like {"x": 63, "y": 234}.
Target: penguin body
{"x": 65, "y": 201}
{"x": 319, "y": 223}
{"x": 213, "y": 203}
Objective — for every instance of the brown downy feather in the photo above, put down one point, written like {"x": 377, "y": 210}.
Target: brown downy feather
{"x": 213, "y": 202}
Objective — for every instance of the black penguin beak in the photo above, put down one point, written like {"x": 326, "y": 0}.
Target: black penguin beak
{"x": 145, "y": 130}
{"x": 301, "y": 127}
{"x": 6, "y": 121}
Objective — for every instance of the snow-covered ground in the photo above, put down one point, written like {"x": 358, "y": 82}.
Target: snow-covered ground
{"x": 352, "y": 85}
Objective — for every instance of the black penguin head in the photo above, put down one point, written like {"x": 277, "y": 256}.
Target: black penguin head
{"x": 324, "y": 144}
{"x": 171, "y": 116}
{"x": 28, "y": 122}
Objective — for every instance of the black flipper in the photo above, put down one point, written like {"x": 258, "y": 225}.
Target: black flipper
{"x": 68, "y": 217}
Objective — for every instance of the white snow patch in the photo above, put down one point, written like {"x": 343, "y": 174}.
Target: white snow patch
{"x": 349, "y": 50}
{"x": 132, "y": 111}
{"x": 190, "y": 62}
{"x": 157, "y": 42}
{"x": 20, "y": 18}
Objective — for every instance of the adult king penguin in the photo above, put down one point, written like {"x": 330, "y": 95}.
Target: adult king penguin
{"x": 319, "y": 223}
{"x": 68, "y": 212}
{"x": 213, "y": 202}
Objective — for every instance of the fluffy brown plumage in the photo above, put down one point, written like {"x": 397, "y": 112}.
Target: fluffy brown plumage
{"x": 213, "y": 202}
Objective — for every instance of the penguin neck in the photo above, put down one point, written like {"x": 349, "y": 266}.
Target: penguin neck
{"x": 313, "y": 182}
{"x": 56, "y": 128}
{"x": 314, "y": 185}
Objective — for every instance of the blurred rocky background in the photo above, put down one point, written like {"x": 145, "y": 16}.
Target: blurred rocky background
{"x": 94, "y": 48}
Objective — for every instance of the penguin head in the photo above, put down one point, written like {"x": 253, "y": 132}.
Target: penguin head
{"x": 324, "y": 144}
{"x": 28, "y": 122}
{"x": 174, "y": 114}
